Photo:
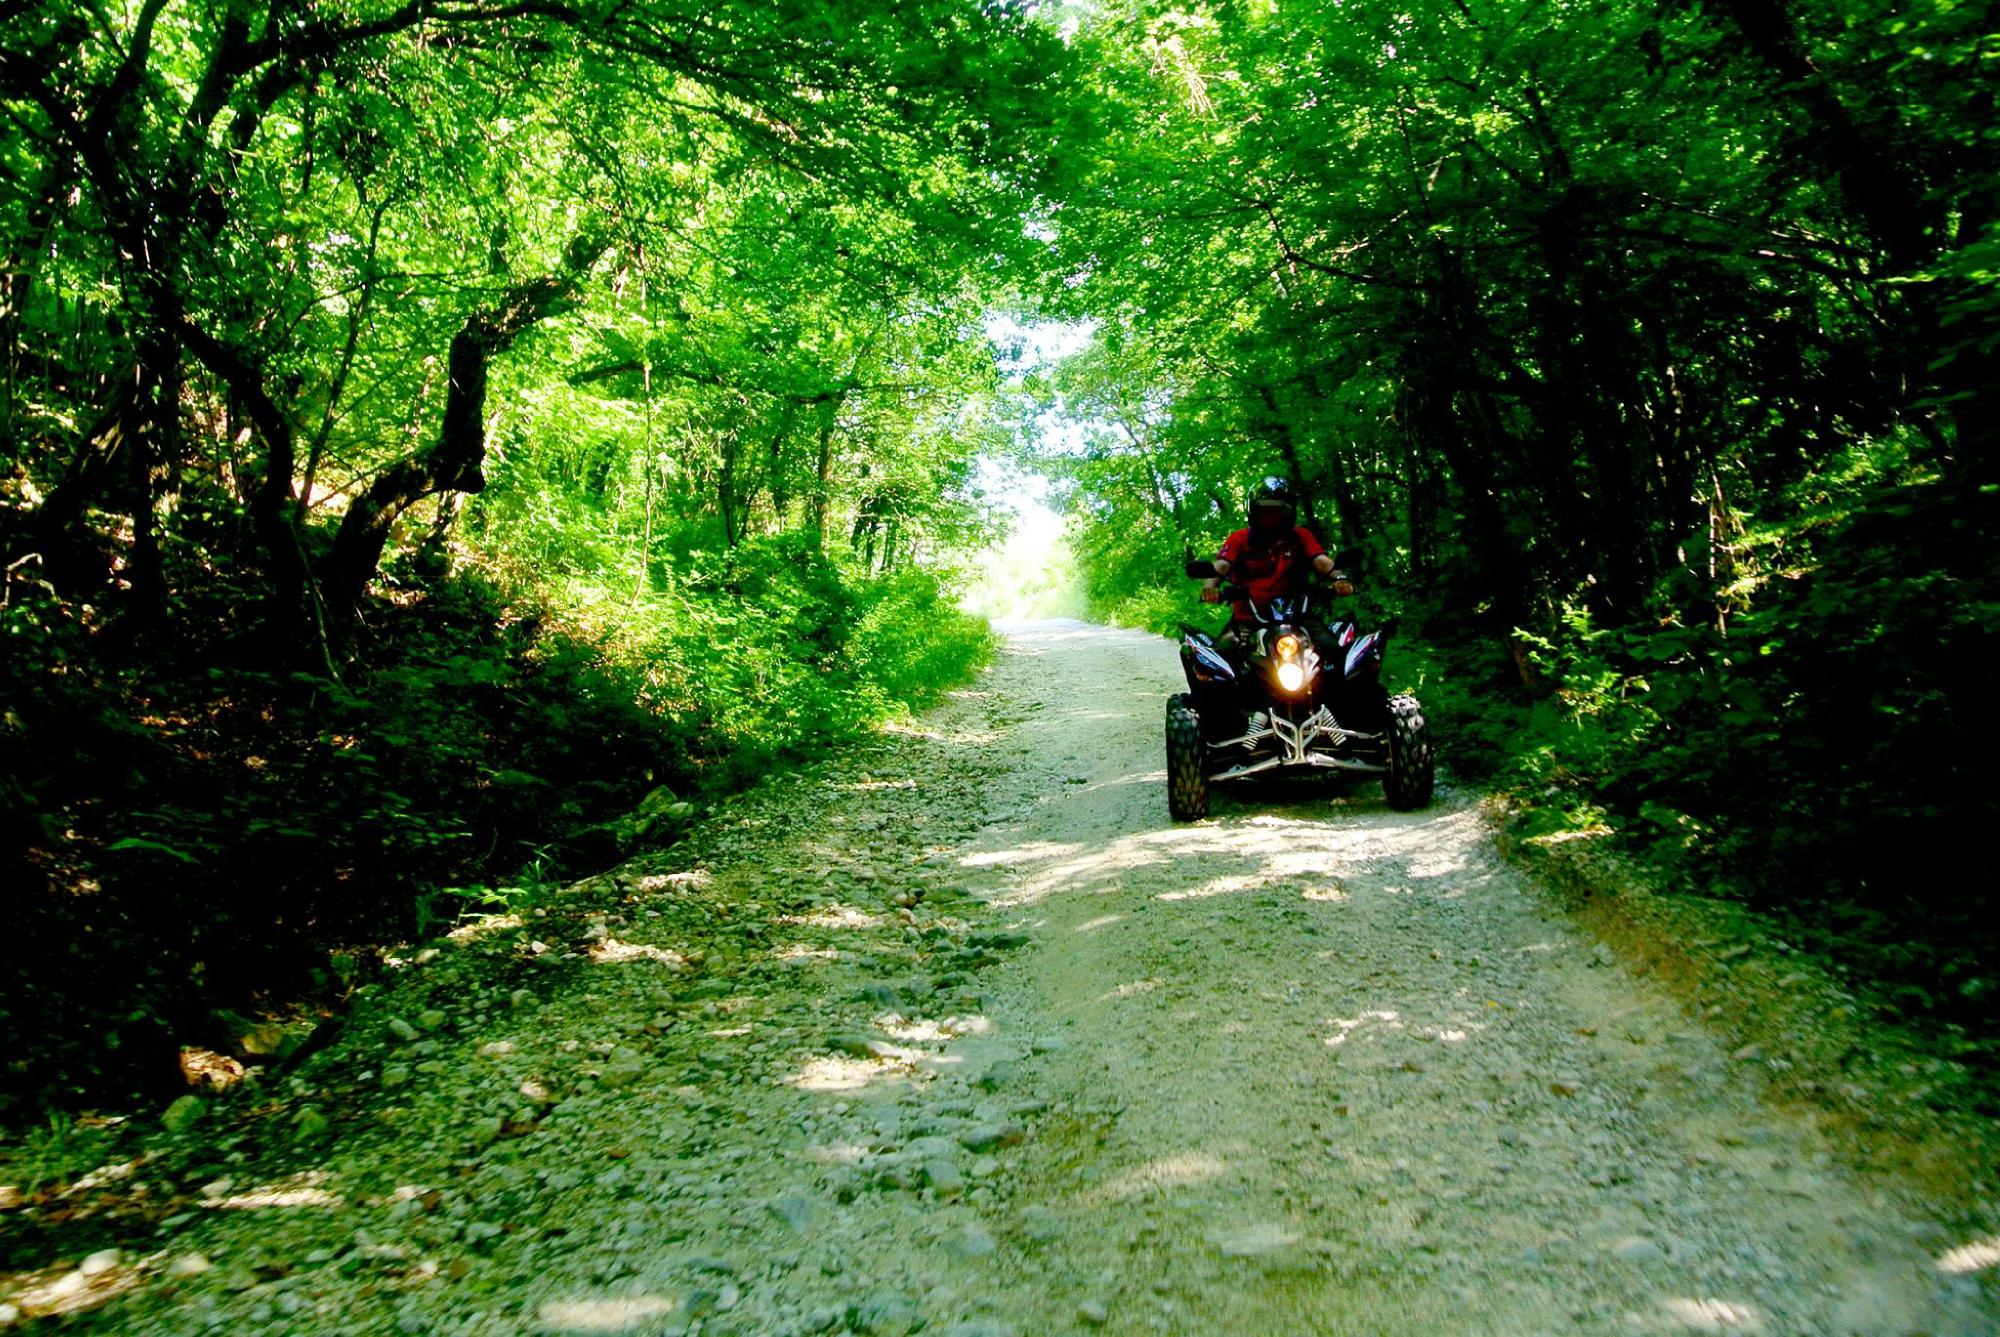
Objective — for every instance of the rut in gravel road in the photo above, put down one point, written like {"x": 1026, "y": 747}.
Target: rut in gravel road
{"x": 959, "y": 1034}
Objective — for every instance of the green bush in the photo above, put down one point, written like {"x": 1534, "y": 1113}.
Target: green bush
{"x": 1823, "y": 753}
{"x": 912, "y": 643}
{"x": 1160, "y": 608}
{"x": 239, "y": 829}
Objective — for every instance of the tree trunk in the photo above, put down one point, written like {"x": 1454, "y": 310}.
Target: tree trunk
{"x": 781, "y": 496}
{"x": 725, "y": 489}
{"x": 867, "y": 523}
{"x": 68, "y": 564}
{"x": 829, "y": 414}
{"x": 455, "y": 462}
{"x": 149, "y": 446}
{"x": 273, "y": 504}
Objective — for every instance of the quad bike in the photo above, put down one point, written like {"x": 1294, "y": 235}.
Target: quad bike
{"x": 1288, "y": 702}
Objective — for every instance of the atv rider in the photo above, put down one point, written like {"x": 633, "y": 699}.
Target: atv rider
{"x": 1271, "y": 558}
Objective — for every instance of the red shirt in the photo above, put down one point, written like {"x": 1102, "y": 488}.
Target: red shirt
{"x": 1277, "y": 566}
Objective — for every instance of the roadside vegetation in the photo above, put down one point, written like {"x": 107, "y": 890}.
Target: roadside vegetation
{"x": 1648, "y": 358}
{"x": 444, "y": 446}
{"x": 442, "y": 449}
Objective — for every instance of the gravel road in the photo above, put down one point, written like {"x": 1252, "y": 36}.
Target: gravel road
{"x": 961, "y": 1035}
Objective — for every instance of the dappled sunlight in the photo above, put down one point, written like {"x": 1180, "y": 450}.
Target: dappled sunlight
{"x": 1564, "y": 837}
{"x": 1165, "y": 1172}
{"x": 1349, "y": 1025}
{"x": 1974, "y": 1257}
{"x": 691, "y": 880}
{"x": 300, "y": 1190}
{"x": 208, "y": 1069}
{"x": 1233, "y": 855}
{"x": 1040, "y": 849}
{"x": 957, "y": 738}
{"x": 836, "y": 1072}
{"x": 832, "y": 916}
{"x": 1222, "y": 886}
{"x": 608, "y": 1314}
{"x": 104, "y": 1176}
{"x": 1102, "y": 921}
{"x": 925, "y": 1030}
{"x": 1712, "y": 1315}
{"x": 1091, "y": 871}
{"x": 54, "y": 1292}
{"x": 484, "y": 926}
{"x": 1128, "y": 781}
{"x": 613, "y": 951}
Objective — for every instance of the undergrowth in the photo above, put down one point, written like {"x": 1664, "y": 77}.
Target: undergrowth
{"x": 1814, "y": 743}
{"x": 193, "y": 837}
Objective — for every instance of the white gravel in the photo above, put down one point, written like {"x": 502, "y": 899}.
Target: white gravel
{"x": 1309, "y": 1066}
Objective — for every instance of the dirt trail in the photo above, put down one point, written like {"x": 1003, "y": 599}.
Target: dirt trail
{"x": 962, "y": 1035}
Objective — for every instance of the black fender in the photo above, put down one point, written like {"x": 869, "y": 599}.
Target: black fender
{"x": 1363, "y": 662}
{"x": 1205, "y": 666}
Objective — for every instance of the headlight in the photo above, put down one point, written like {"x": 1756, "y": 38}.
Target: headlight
{"x": 1288, "y": 647}
{"x": 1290, "y": 676}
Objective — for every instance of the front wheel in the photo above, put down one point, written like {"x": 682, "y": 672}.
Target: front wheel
{"x": 1412, "y": 770}
{"x": 1187, "y": 783}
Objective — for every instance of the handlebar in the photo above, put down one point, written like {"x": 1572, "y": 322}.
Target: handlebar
{"x": 1231, "y": 590}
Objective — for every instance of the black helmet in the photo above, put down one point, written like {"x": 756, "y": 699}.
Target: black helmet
{"x": 1272, "y": 491}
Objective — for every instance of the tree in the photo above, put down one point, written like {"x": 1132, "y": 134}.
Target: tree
{"x": 326, "y": 227}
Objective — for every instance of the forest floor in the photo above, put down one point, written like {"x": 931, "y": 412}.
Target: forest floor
{"x": 957, "y": 1033}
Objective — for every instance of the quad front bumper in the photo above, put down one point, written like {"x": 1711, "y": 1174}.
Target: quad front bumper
{"x": 1273, "y": 742}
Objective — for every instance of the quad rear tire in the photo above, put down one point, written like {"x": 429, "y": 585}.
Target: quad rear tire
{"x": 1187, "y": 781}
{"x": 1412, "y": 770}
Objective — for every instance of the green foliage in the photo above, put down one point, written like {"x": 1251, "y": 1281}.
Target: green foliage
{"x": 423, "y": 435}
{"x": 775, "y": 651}
{"x": 263, "y": 831}
{"x": 1155, "y": 608}
{"x": 1649, "y": 357}
{"x": 1824, "y": 758}
{"x": 912, "y": 644}
{"x": 55, "y": 1153}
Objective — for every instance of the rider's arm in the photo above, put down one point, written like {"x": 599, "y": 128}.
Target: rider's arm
{"x": 1211, "y": 590}
{"x": 1342, "y": 586}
